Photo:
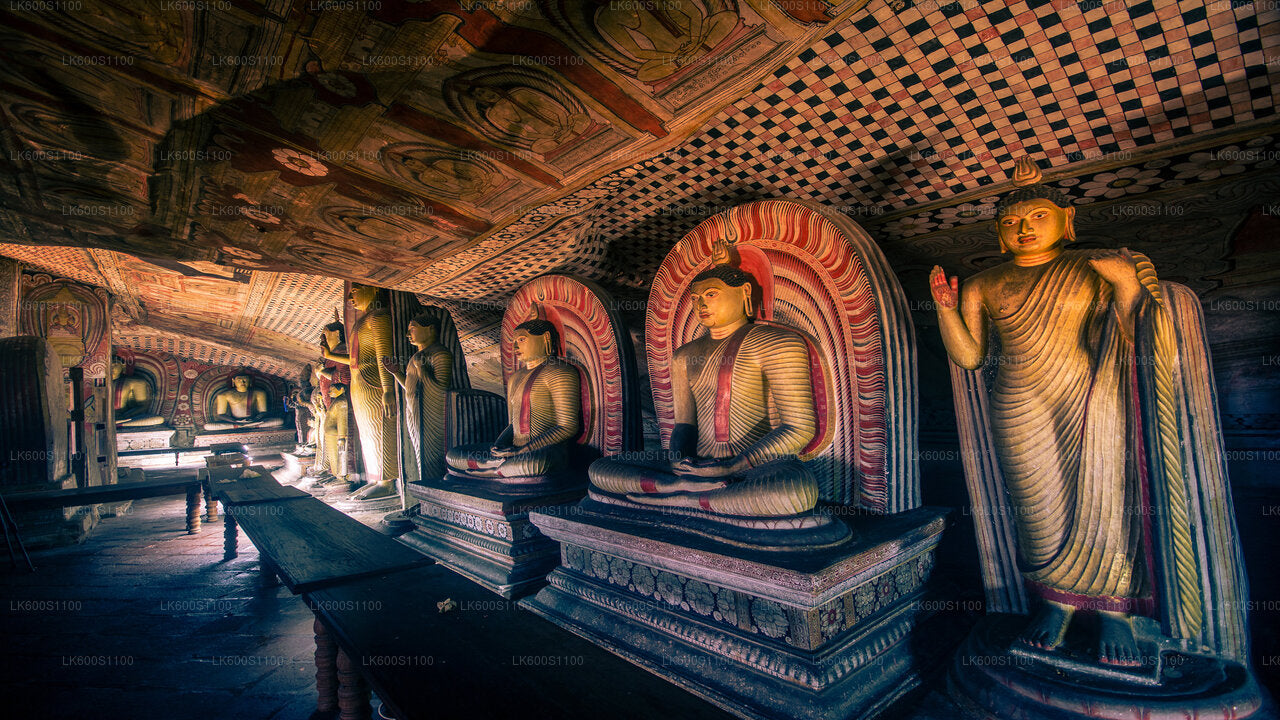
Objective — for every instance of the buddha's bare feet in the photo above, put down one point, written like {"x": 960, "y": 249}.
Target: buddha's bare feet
{"x": 375, "y": 491}
{"x": 1049, "y": 627}
{"x": 1116, "y": 644}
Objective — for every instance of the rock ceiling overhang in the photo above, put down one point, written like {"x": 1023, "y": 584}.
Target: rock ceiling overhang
{"x": 326, "y": 157}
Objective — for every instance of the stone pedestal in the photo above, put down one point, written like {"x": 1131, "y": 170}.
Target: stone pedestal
{"x": 784, "y": 634}
{"x": 484, "y": 533}
{"x": 144, "y": 438}
{"x": 251, "y": 437}
{"x": 992, "y": 675}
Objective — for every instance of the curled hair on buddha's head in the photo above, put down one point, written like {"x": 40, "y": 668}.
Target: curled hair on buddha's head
{"x": 727, "y": 274}
{"x": 541, "y": 327}
{"x": 427, "y": 320}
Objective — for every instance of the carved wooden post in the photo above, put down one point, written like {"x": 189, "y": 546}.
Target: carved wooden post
{"x": 326, "y": 671}
{"x": 193, "y": 510}
{"x": 353, "y": 692}
{"x": 229, "y": 535}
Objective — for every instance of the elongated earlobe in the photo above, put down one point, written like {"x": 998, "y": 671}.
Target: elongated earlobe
{"x": 1070, "y": 234}
{"x": 747, "y": 305}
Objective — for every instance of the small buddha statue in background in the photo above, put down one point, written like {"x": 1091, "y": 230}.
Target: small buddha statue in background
{"x": 242, "y": 406}
{"x": 545, "y": 407}
{"x": 744, "y": 410}
{"x": 131, "y": 398}
{"x": 426, "y": 378}
{"x": 335, "y": 431}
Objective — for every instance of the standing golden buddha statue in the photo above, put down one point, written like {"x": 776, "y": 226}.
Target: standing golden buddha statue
{"x": 1061, "y": 409}
{"x": 373, "y": 393}
{"x": 426, "y": 378}
{"x": 744, "y": 410}
{"x": 545, "y": 406}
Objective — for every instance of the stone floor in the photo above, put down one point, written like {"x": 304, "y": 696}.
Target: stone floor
{"x": 143, "y": 620}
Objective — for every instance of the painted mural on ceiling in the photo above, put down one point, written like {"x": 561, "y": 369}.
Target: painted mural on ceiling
{"x": 459, "y": 150}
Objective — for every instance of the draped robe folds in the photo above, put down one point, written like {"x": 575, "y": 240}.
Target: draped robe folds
{"x": 426, "y": 380}
{"x": 753, "y": 395}
{"x": 378, "y": 442}
{"x": 545, "y": 407}
{"x": 1063, "y": 416}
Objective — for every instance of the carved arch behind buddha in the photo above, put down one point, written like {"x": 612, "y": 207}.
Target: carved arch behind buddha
{"x": 823, "y": 276}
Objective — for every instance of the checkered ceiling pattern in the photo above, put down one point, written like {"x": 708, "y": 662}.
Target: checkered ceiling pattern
{"x": 903, "y": 110}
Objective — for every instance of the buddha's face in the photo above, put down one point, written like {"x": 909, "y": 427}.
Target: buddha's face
{"x": 1033, "y": 226}
{"x": 485, "y": 95}
{"x": 421, "y": 335}
{"x": 718, "y": 305}
{"x": 332, "y": 338}
{"x": 241, "y": 383}
{"x": 362, "y": 296}
{"x": 117, "y": 369}
{"x": 530, "y": 348}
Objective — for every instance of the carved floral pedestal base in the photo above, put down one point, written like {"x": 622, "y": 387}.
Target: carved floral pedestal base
{"x": 992, "y": 676}
{"x": 250, "y": 437}
{"x": 485, "y": 534}
{"x": 822, "y": 634}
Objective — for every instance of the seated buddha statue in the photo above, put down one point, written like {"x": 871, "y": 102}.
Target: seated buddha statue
{"x": 545, "y": 408}
{"x": 242, "y": 406}
{"x": 744, "y": 410}
{"x": 131, "y": 398}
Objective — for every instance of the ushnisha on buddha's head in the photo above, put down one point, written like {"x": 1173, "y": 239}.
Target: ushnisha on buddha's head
{"x": 535, "y": 341}
{"x": 1034, "y": 219}
{"x": 423, "y": 330}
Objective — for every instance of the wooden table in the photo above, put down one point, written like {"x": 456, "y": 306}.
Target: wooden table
{"x": 310, "y": 545}
{"x": 487, "y": 658}
{"x": 227, "y": 485}
{"x": 119, "y": 492}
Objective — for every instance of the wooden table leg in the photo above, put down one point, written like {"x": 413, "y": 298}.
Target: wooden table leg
{"x": 270, "y": 578}
{"x": 229, "y": 535}
{"x": 210, "y": 505}
{"x": 353, "y": 692}
{"x": 326, "y": 672}
{"x": 193, "y": 510}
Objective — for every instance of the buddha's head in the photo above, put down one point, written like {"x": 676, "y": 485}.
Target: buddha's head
{"x": 363, "y": 296}
{"x": 535, "y": 340}
{"x": 722, "y": 296}
{"x": 1035, "y": 217}
{"x": 241, "y": 383}
{"x": 336, "y": 390}
{"x": 485, "y": 95}
{"x": 117, "y": 367}
{"x": 424, "y": 330}
{"x": 334, "y": 335}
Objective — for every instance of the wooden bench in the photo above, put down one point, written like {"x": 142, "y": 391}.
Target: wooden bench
{"x": 120, "y": 492}
{"x": 486, "y": 658}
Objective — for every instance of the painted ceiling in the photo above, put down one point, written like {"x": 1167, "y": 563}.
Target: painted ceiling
{"x": 221, "y": 166}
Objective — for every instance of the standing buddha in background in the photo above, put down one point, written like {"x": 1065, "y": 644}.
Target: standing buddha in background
{"x": 373, "y": 391}
{"x": 335, "y": 430}
{"x": 1062, "y": 409}
{"x": 428, "y": 375}
{"x": 545, "y": 407}
{"x": 744, "y": 410}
